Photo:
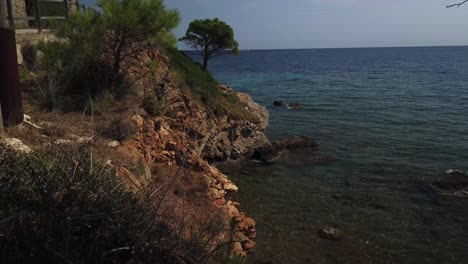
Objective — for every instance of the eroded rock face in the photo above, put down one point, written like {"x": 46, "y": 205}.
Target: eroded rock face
{"x": 453, "y": 183}
{"x": 187, "y": 136}
{"x": 225, "y": 140}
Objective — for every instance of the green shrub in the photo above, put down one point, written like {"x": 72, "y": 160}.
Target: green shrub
{"x": 51, "y": 90}
{"x": 93, "y": 46}
{"x": 200, "y": 82}
{"x": 60, "y": 206}
{"x": 205, "y": 88}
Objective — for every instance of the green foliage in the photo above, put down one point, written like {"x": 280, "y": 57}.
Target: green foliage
{"x": 153, "y": 65}
{"x": 210, "y": 38}
{"x": 93, "y": 46}
{"x": 204, "y": 87}
{"x": 52, "y": 8}
{"x": 131, "y": 25}
{"x": 50, "y": 91}
{"x": 201, "y": 83}
{"x": 24, "y": 73}
{"x": 83, "y": 32}
{"x": 65, "y": 207}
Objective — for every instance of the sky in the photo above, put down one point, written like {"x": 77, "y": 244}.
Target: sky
{"x": 292, "y": 24}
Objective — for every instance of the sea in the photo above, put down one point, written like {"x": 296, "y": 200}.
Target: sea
{"x": 395, "y": 118}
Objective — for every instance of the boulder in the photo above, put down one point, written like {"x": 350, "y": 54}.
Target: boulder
{"x": 237, "y": 249}
{"x": 278, "y": 103}
{"x": 293, "y": 105}
{"x": 331, "y": 233}
{"x": 138, "y": 120}
{"x": 256, "y": 109}
{"x": 17, "y": 145}
{"x": 295, "y": 142}
{"x": 113, "y": 144}
{"x": 453, "y": 183}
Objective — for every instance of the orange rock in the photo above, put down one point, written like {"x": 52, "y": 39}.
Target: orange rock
{"x": 138, "y": 120}
{"x": 237, "y": 249}
{"x": 248, "y": 245}
{"x": 219, "y": 202}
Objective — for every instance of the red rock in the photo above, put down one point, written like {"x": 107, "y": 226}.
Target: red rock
{"x": 219, "y": 202}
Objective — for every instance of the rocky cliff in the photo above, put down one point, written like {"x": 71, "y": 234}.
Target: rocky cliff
{"x": 189, "y": 138}
{"x": 177, "y": 141}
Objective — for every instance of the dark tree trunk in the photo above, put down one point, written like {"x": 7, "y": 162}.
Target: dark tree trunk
{"x": 206, "y": 55}
{"x": 10, "y": 90}
{"x": 205, "y": 62}
{"x": 118, "y": 56}
{"x": 116, "y": 68}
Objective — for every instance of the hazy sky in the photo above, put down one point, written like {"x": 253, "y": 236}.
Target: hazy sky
{"x": 268, "y": 24}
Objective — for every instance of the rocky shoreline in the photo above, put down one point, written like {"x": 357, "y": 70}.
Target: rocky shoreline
{"x": 186, "y": 150}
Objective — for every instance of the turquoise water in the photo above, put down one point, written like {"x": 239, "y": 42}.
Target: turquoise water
{"x": 395, "y": 118}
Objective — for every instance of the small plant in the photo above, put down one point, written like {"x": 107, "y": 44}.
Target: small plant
{"x": 153, "y": 105}
{"x": 119, "y": 129}
{"x": 50, "y": 91}
{"x": 153, "y": 65}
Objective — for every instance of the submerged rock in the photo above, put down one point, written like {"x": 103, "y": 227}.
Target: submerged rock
{"x": 331, "y": 233}
{"x": 453, "y": 183}
{"x": 278, "y": 103}
{"x": 295, "y": 142}
{"x": 293, "y": 105}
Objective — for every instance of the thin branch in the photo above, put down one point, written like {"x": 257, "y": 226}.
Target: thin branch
{"x": 458, "y": 4}
{"x": 117, "y": 249}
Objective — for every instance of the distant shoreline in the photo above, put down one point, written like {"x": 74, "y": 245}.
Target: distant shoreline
{"x": 391, "y": 47}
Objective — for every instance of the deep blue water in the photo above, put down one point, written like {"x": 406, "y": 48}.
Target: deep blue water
{"x": 396, "y": 118}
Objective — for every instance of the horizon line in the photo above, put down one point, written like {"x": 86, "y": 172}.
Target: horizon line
{"x": 363, "y": 47}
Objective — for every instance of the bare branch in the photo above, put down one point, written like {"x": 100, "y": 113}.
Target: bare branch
{"x": 458, "y": 4}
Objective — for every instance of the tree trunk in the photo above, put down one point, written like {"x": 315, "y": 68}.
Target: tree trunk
{"x": 118, "y": 56}
{"x": 205, "y": 62}
{"x": 10, "y": 91}
{"x": 206, "y": 56}
{"x": 3, "y": 14}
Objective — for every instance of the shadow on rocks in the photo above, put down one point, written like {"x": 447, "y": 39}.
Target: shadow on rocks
{"x": 293, "y": 152}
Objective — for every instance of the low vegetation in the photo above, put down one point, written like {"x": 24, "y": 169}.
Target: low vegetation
{"x": 203, "y": 87}
{"x": 61, "y": 206}
{"x": 118, "y": 129}
{"x": 200, "y": 82}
